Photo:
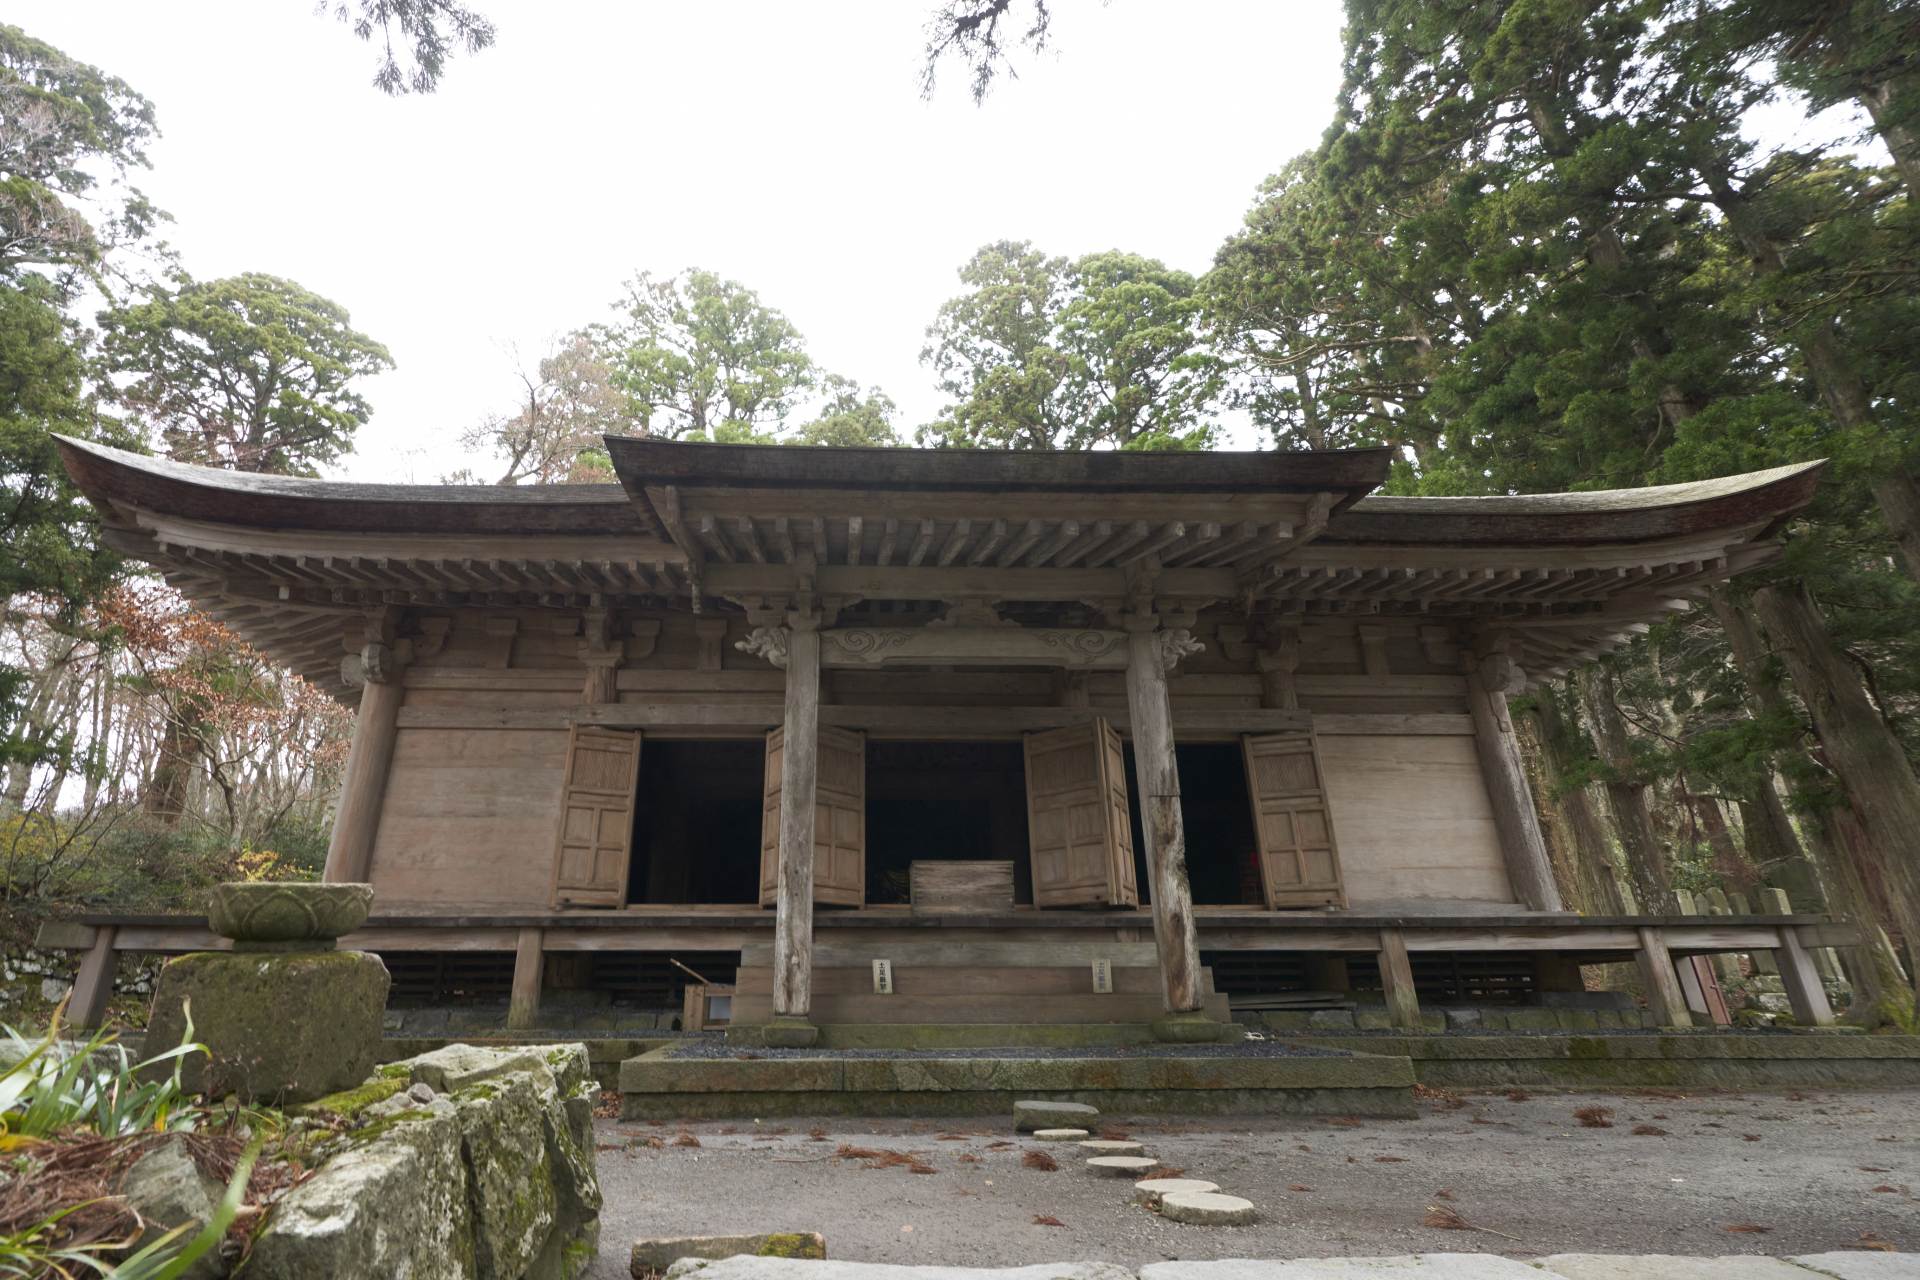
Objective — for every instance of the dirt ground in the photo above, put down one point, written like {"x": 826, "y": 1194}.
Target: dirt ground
{"x": 1779, "y": 1173}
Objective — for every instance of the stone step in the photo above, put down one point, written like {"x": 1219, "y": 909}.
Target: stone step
{"x": 1207, "y": 1209}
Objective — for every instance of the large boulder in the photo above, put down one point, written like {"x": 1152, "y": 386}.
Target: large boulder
{"x": 283, "y": 1028}
{"x": 393, "y": 1202}
{"x": 520, "y": 1196}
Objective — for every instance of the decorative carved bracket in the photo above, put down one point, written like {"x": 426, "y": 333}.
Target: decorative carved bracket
{"x": 767, "y": 642}
{"x": 1176, "y": 644}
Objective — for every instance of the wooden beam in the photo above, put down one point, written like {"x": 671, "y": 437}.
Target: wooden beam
{"x": 357, "y": 819}
{"x": 956, "y": 721}
{"x": 1396, "y": 980}
{"x": 93, "y": 985}
{"x": 799, "y": 768}
{"x": 1161, "y": 824}
{"x": 1514, "y": 818}
{"x": 1665, "y": 1000}
{"x": 1805, "y": 992}
{"x": 529, "y": 967}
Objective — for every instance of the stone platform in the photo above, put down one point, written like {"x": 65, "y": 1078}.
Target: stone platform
{"x": 1420, "y": 1266}
{"x": 665, "y": 1084}
{"x": 1685, "y": 1060}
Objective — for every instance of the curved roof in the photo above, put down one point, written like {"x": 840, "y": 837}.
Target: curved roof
{"x": 291, "y": 502}
{"x": 641, "y": 462}
{"x": 1602, "y": 515}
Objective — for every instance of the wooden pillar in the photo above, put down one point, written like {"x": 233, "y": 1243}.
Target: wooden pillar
{"x": 1150, "y": 653}
{"x": 799, "y": 766}
{"x": 93, "y": 985}
{"x": 1396, "y": 980}
{"x": 357, "y": 818}
{"x": 1802, "y": 980}
{"x": 1665, "y": 1000}
{"x": 1489, "y": 679}
{"x": 529, "y": 967}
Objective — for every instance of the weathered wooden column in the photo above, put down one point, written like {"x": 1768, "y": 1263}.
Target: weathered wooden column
{"x": 1665, "y": 1000}
{"x": 1151, "y": 654}
{"x": 529, "y": 969}
{"x": 795, "y": 647}
{"x": 1805, "y": 992}
{"x": 356, "y": 820}
{"x": 1396, "y": 980}
{"x": 93, "y": 984}
{"x": 1490, "y": 678}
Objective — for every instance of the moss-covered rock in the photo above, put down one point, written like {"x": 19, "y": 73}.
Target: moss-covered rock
{"x": 286, "y": 1028}
{"x": 391, "y": 1203}
{"x": 509, "y": 1168}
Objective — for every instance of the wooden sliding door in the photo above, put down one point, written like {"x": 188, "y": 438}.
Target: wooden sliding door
{"x": 1299, "y": 863}
{"x": 1079, "y": 829}
{"x": 597, "y": 799}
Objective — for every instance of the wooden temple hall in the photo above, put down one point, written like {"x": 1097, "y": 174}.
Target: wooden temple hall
{"x": 916, "y": 737}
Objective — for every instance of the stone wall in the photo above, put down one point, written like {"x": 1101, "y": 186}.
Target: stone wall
{"x": 462, "y": 1162}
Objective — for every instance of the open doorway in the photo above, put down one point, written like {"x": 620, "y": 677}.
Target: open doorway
{"x": 944, "y": 800}
{"x": 696, "y": 826}
{"x": 1223, "y": 860}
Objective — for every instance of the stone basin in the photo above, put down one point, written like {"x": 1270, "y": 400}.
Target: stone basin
{"x": 284, "y": 914}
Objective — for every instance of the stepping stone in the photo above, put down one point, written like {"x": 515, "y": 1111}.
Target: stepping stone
{"x": 1151, "y": 1189}
{"x": 1606, "y": 1266}
{"x": 1033, "y": 1114}
{"x": 1060, "y": 1135}
{"x": 1113, "y": 1147}
{"x": 1862, "y": 1266}
{"x": 1207, "y": 1209}
{"x": 1406, "y": 1266}
{"x": 1122, "y": 1166}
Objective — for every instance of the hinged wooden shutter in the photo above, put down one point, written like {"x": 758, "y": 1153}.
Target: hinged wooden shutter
{"x": 596, "y": 817}
{"x": 1080, "y": 833}
{"x": 839, "y": 819}
{"x": 1299, "y": 864}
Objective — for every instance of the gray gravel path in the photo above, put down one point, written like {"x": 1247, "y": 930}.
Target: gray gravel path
{"x": 1525, "y": 1167}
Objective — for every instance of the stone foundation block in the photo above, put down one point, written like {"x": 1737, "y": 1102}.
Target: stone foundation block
{"x": 279, "y": 1027}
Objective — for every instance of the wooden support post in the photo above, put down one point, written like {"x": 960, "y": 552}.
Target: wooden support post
{"x": 799, "y": 767}
{"x": 1150, "y": 653}
{"x": 529, "y": 967}
{"x": 1665, "y": 1000}
{"x": 1488, "y": 681}
{"x": 1557, "y": 973}
{"x": 1805, "y": 992}
{"x": 357, "y": 818}
{"x": 93, "y": 985}
{"x": 1396, "y": 980}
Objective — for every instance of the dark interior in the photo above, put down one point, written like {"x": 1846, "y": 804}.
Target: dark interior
{"x": 696, "y": 828}
{"x": 1222, "y": 847}
{"x": 944, "y": 800}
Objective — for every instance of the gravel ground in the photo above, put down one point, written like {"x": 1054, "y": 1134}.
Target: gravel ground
{"x": 1523, "y": 1166}
{"x": 716, "y": 1048}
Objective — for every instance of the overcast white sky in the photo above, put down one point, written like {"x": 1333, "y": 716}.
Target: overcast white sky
{"x": 779, "y": 143}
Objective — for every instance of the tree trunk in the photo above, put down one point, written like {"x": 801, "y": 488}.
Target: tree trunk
{"x": 1868, "y": 760}
{"x": 1597, "y": 879}
{"x": 1788, "y": 863}
{"x": 1640, "y": 845}
{"x": 1834, "y": 373}
{"x": 1903, "y": 143}
{"x": 166, "y": 795}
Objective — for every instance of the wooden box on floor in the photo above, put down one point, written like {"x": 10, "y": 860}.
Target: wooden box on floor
{"x": 707, "y": 1005}
{"x": 949, "y": 888}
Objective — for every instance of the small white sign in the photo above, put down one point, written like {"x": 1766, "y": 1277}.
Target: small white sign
{"x": 883, "y": 977}
{"x": 1103, "y": 977}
